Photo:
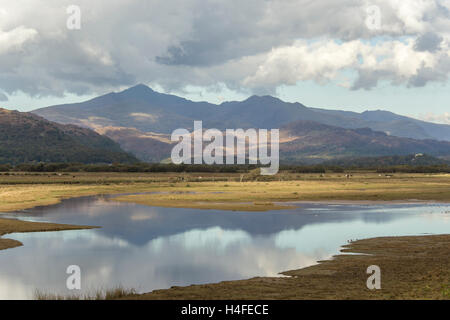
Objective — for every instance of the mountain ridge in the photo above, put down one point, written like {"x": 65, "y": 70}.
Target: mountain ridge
{"x": 300, "y": 141}
{"x": 133, "y": 106}
{"x": 137, "y": 116}
{"x": 319, "y": 141}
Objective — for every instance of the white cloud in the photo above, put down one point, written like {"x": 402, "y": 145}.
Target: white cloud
{"x": 14, "y": 39}
{"x": 437, "y": 118}
{"x": 319, "y": 61}
{"x": 322, "y": 61}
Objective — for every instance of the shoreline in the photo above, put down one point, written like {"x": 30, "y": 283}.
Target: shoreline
{"x": 228, "y": 194}
{"x": 262, "y": 206}
{"x": 412, "y": 267}
{"x": 10, "y": 226}
{"x": 371, "y": 202}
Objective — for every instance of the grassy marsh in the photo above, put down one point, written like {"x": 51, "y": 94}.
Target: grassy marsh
{"x": 267, "y": 195}
{"x": 219, "y": 190}
{"x": 416, "y": 267}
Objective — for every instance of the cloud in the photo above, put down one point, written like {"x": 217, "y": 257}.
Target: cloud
{"x": 13, "y": 40}
{"x": 322, "y": 61}
{"x": 428, "y": 42}
{"x": 245, "y": 45}
{"x": 437, "y": 118}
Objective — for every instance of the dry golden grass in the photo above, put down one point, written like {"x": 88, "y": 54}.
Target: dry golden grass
{"x": 219, "y": 191}
{"x": 110, "y": 294}
{"x": 411, "y": 268}
{"x": 259, "y": 196}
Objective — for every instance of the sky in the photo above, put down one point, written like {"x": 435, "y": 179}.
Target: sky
{"x": 352, "y": 55}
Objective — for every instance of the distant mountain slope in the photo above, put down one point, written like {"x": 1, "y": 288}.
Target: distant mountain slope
{"x": 138, "y": 107}
{"x": 25, "y": 137}
{"x": 300, "y": 141}
{"x": 413, "y": 160}
{"x": 147, "y": 146}
{"x": 146, "y": 110}
{"x": 311, "y": 140}
{"x": 395, "y": 124}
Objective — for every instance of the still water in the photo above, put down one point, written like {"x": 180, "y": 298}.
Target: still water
{"x": 150, "y": 248}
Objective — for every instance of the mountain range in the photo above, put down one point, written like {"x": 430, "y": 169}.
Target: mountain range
{"x": 146, "y": 110}
{"x": 26, "y": 137}
{"x": 141, "y": 119}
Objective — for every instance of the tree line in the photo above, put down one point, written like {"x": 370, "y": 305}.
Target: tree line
{"x": 160, "y": 167}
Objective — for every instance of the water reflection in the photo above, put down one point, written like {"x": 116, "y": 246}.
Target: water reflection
{"x": 148, "y": 248}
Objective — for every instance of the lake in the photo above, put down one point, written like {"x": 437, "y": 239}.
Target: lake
{"x": 149, "y": 248}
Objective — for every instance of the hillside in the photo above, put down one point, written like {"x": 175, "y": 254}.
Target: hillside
{"x": 25, "y": 137}
{"x": 300, "y": 141}
{"x": 140, "y": 120}
{"x": 138, "y": 107}
{"x": 314, "y": 141}
{"x": 147, "y": 146}
{"x": 149, "y": 111}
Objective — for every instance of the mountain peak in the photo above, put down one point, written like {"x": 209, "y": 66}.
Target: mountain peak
{"x": 380, "y": 116}
{"x": 378, "y": 111}
{"x": 266, "y": 98}
{"x": 138, "y": 88}
{"x": 139, "y": 92}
